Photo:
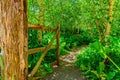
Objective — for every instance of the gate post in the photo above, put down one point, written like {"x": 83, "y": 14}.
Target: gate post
{"x": 58, "y": 43}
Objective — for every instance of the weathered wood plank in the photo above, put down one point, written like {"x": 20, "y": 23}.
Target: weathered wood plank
{"x": 58, "y": 43}
{"x": 40, "y": 27}
{"x": 42, "y": 56}
{"x": 40, "y": 71}
{"x": 41, "y": 49}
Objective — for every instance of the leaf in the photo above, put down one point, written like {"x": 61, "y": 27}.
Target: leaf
{"x": 108, "y": 50}
{"x": 29, "y": 65}
{"x": 63, "y": 44}
{"x": 110, "y": 75}
{"x": 95, "y": 72}
{"x": 103, "y": 55}
{"x": 48, "y": 68}
{"x": 43, "y": 73}
{"x": 101, "y": 67}
{"x": 83, "y": 67}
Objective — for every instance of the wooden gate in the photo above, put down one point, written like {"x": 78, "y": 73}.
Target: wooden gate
{"x": 45, "y": 49}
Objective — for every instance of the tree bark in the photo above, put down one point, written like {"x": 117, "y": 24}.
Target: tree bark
{"x": 14, "y": 39}
{"x": 110, "y": 13}
{"x": 0, "y": 24}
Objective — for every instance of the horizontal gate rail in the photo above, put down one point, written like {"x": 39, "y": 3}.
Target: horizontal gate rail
{"x": 41, "y": 49}
{"x": 42, "y": 56}
{"x": 40, "y": 27}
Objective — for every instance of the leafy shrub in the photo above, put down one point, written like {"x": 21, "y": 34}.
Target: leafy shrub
{"x": 98, "y": 62}
{"x": 83, "y": 38}
{"x": 33, "y": 43}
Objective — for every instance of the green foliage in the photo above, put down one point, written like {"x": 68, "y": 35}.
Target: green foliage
{"x": 83, "y": 38}
{"x": 33, "y": 43}
{"x": 78, "y": 27}
{"x": 99, "y": 62}
{"x": 115, "y": 24}
{"x": 1, "y": 66}
{"x": 33, "y": 11}
{"x": 0, "y": 78}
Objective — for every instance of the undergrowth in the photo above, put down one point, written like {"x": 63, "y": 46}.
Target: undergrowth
{"x": 101, "y": 62}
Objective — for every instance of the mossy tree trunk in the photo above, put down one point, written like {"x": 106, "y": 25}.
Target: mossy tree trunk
{"x": 14, "y": 39}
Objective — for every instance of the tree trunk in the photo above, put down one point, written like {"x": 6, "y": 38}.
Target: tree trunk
{"x": 0, "y": 24}
{"x": 14, "y": 39}
{"x": 0, "y": 43}
{"x": 96, "y": 21}
{"x": 110, "y": 13}
{"x": 40, "y": 20}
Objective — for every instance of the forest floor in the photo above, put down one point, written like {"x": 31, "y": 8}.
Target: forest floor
{"x": 67, "y": 69}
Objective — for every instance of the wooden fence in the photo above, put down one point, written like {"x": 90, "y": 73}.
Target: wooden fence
{"x": 44, "y": 49}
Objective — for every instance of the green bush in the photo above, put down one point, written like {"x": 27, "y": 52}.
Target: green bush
{"x": 99, "y": 62}
{"x": 33, "y": 43}
{"x": 83, "y": 38}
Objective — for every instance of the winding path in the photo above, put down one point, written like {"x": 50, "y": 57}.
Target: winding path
{"x": 67, "y": 70}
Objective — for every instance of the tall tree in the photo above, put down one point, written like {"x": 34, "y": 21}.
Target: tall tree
{"x": 14, "y": 39}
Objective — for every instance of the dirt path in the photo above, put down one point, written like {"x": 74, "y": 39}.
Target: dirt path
{"x": 67, "y": 70}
